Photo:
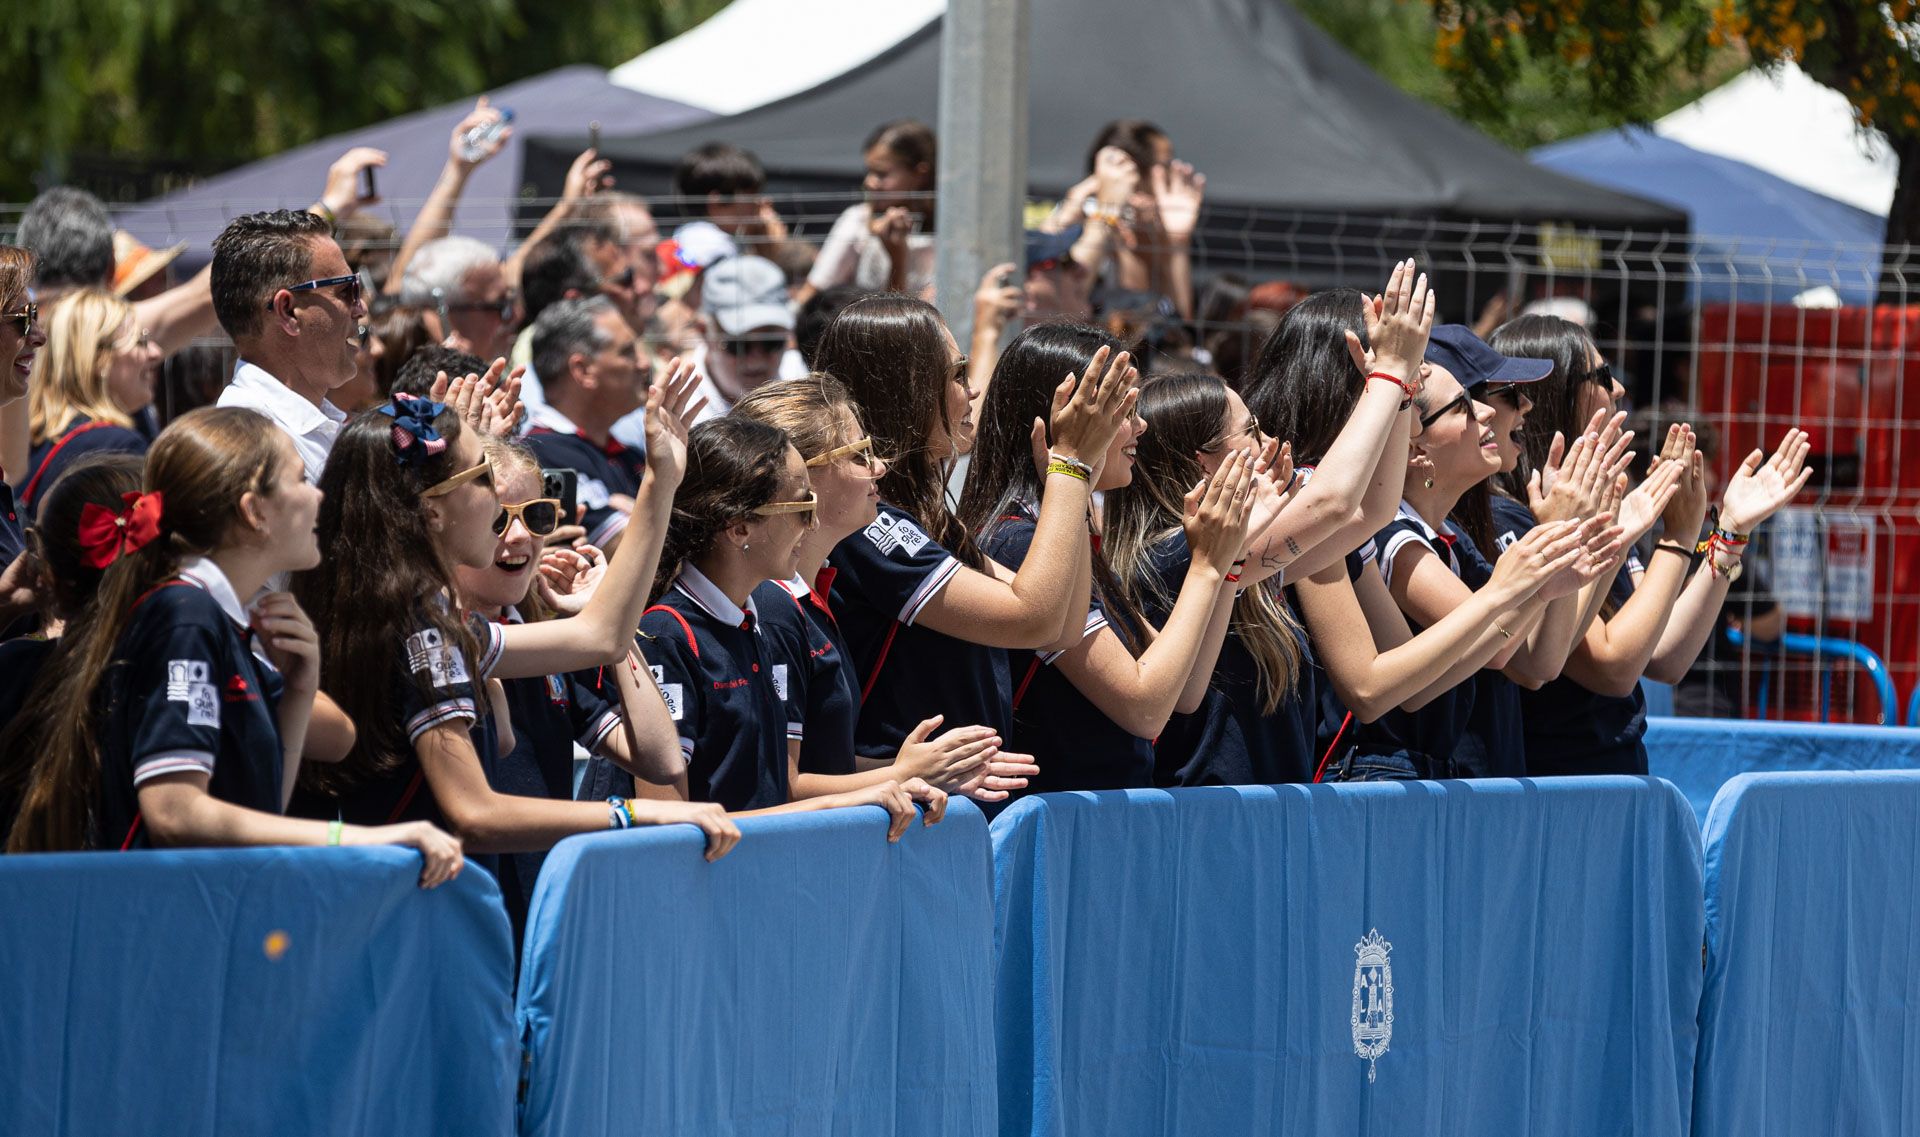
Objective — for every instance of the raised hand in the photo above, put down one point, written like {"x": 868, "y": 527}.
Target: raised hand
{"x": 1762, "y": 485}
{"x": 1531, "y": 561}
{"x": 589, "y": 174}
{"x": 1115, "y": 177}
{"x": 342, "y": 191}
{"x": 480, "y": 115}
{"x": 1399, "y": 321}
{"x": 568, "y": 577}
{"x": 1097, "y": 407}
{"x": 1687, "y": 511}
{"x": 670, "y": 411}
{"x": 1601, "y": 543}
{"x": 995, "y": 303}
{"x": 1217, "y": 511}
{"x": 1177, "y": 195}
{"x": 892, "y": 228}
{"x": 722, "y": 833}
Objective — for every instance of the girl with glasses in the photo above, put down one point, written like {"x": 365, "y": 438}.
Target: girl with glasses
{"x": 738, "y": 522}
{"x": 927, "y": 615}
{"x": 1650, "y": 618}
{"x": 1332, "y": 354}
{"x": 97, "y": 380}
{"x": 1088, "y": 714}
{"x": 822, "y": 687}
{"x": 177, "y": 714}
{"x": 21, "y": 338}
{"x": 410, "y": 500}
{"x": 613, "y": 712}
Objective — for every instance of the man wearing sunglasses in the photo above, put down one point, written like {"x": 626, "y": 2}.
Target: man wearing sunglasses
{"x": 283, "y": 292}
{"x": 461, "y": 286}
{"x": 748, "y": 338}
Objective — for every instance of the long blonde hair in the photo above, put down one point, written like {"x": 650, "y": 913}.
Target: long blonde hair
{"x": 73, "y": 371}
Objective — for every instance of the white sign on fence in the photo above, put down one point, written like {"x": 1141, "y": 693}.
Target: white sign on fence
{"x": 1823, "y": 564}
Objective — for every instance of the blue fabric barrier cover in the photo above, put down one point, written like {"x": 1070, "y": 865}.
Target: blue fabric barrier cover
{"x": 1813, "y": 956}
{"x": 1205, "y": 961}
{"x": 249, "y": 992}
{"x": 816, "y": 980}
{"x": 1701, "y": 755}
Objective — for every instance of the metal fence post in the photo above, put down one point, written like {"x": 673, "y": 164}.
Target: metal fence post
{"x": 983, "y": 148}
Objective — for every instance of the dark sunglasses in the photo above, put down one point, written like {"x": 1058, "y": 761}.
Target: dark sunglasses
{"x": 505, "y": 307}
{"x": 1602, "y": 375}
{"x": 28, "y": 316}
{"x": 624, "y": 279}
{"x": 351, "y": 283}
{"x": 1461, "y": 402}
{"x": 541, "y": 516}
{"x": 1509, "y": 394}
{"x": 754, "y": 345}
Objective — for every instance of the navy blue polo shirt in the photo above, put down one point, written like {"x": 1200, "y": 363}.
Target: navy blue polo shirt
{"x": 721, "y": 680}
{"x": 54, "y": 456}
{"x": 186, "y": 693}
{"x": 1569, "y": 729}
{"x": 21, "y": 659}
{"x": 549, "y": 714}
{"x": 1231, "y": 740}
{"x": 1432, "y": 731}
{"x": 819, "y": 675}
{"x": 1494, "y": 743}
{"x": 13, "y": 536}
{"x": 884, "y": 576}
{"x": 1076, "y": 746}
{"x": 434, "y": 682}
{"x": 604, "y": 470}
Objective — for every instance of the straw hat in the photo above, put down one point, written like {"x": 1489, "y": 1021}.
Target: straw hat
{"x": 134, "y": 263}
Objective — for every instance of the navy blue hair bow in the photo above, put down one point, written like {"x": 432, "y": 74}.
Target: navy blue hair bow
{"x": 413, "y": 437}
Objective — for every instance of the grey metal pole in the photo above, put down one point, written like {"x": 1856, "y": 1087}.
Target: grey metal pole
{"x": 983, "y": 149}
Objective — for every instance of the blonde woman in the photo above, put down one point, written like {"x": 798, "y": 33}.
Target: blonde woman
{"x": 98, "y": 377}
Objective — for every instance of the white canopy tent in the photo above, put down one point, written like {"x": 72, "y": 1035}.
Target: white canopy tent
{"x": 1793, "y": 128}
{"x": 754, "y": 52}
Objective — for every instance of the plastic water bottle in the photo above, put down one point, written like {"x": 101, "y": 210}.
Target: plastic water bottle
{"x": 475, "y": 143}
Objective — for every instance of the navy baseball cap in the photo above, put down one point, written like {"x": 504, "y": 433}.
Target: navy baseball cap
{"x": 1456, "y": 348}
{"x": 1043, "y": 247}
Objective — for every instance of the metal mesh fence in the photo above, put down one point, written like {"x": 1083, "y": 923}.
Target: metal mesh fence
{"x": 1747, "y": 337}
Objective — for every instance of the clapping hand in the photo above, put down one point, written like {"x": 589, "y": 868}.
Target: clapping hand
{"x": 1762, "y": 485}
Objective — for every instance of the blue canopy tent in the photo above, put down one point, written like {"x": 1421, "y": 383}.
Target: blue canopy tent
{"x": 567, "y": 99}
{"x": 1759, "y": 238}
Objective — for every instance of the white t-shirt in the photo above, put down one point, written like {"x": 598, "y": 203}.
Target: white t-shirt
{"x": 853, "y": 255}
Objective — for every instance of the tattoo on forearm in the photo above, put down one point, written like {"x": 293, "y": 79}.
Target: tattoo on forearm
{"x": 1293, "y": 546}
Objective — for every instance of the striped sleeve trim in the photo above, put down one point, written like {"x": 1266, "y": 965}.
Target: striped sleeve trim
{"x": 1096, "y": 620}
{"x": 930, "y": 587}
{"x": 613, "y": 526}
{"x": 1369, "y": 552}
{"x": 601, "y": 729}
{"x": 453, "y": 710}
{"x": 173, "y": 762}
{"x": 686, "y": 748}
{"x": 490, "y": 647}
{"x": 1389, "y": 559}
{"x": 796, "y": 731}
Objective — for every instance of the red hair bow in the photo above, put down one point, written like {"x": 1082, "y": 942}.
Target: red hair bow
{"x": 106, "y": 536}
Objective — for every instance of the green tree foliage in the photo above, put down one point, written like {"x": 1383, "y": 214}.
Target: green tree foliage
{"x": 193, "y": 87}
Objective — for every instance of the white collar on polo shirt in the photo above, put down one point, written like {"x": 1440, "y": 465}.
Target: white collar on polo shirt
{"x": 711, "y": 600}
{"x": 203, "y": 572}
{"x": 282, "y": 403}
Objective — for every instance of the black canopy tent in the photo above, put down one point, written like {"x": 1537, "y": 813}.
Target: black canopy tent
{"x": 1298, "y": 139}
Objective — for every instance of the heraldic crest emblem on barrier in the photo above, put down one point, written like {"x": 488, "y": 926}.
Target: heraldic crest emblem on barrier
{"x": 1372, "y": 998}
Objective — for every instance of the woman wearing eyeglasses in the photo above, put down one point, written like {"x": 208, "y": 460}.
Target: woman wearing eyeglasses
{"x": 173, "y": 713}
{"x": 927, "y": 615}
{"x": 1652, "y": 618}
{"x": 823, "y": 691}
{"x": 98, "y": 377}
{"x": 21, "y": 338}
{"x": 613, "y": 712}
{"x": 1089, "y": 714}
{"x": 738, "y": 520}
{"x": 410, "y": 499}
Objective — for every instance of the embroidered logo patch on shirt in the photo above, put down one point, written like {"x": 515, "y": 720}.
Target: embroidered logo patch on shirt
{"x": 670, "y": 693}
{"x": 780, "y": 680}
{"x": 896, "y": 533}
{"x": 188, "y": 682}
{"x": 428, "y": 651}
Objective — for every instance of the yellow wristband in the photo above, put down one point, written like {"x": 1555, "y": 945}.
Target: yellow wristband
{"x": 1064, "y": 468}
{"x": 333, "y": 831}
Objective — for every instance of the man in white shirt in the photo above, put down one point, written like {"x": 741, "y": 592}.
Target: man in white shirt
{"x": 283, "y": 292}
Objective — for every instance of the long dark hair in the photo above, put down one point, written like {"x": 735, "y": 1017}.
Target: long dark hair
{"x": 201, "y": 465}
{"x": 1304, "y": 386}
{"x": 733, "y": 468}
{"x": 384, "y": 581}
{"x": 1001, "y": 477}
{"x": 1556, "y": 399}
{"x": 890, "y": 352}
{"x": 1184, "y": 413}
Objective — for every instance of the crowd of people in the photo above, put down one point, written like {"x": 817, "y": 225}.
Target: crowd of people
{"x": 472, "y": 553}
